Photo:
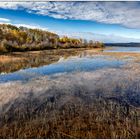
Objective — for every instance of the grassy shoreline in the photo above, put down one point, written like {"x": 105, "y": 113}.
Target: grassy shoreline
{"x": 14, "y": 61}
{"x": 11, "y": 62}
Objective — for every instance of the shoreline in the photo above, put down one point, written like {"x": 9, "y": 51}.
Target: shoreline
{"x": 19, "y": 60}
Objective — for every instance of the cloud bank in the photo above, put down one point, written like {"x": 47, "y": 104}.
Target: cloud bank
{"x": 123, "y": 13}
{"x": 112, "y": 38}
{"x": 4, "y": 20}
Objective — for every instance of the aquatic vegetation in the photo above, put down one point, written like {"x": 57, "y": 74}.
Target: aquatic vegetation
{"x": 21, "y": 60}
{"x": 101, "y": 104}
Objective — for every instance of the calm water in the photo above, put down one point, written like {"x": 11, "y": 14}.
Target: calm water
{"x": 73, "y": 64}
{"x": 123, "y": 49}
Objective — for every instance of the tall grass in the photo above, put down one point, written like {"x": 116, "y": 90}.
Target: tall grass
{"x": 98, "y": 106}
{"x": 22, "y": 60}
{"x": 100, "y": 118}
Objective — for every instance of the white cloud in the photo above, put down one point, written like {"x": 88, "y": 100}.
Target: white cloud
{"x": 99, "y": 37}
{"x": 124, "y": 13}
{"x": 31, "y": 26}
{"x": 4, "y": 20}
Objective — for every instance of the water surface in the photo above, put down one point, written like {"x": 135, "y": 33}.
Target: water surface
{"x": 69, "y": 65}
{"x": 81, "y": 62}
{"x": 123, "y": 49}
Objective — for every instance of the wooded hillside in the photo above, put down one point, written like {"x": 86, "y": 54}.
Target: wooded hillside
{"x": 14, "y": 39}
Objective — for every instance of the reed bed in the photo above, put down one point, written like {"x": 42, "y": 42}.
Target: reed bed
{"x": 101, "y": 104}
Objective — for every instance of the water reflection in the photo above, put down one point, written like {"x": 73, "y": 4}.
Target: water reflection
{"x": 82, "y": 62}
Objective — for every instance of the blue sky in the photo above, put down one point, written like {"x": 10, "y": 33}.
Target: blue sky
{"x": 90, "y": 20}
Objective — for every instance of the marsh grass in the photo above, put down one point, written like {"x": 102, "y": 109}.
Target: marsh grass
{"x": 100, "y": 119}
{"x": 100, "y": 104}
{"x": 15, "y": 61}
{"x": 11, "y": 62}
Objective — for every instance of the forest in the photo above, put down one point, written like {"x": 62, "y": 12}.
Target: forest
{"x": 14, "y": 39}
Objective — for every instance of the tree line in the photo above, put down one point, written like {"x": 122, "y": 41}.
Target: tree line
{"x": 14, "y": 38}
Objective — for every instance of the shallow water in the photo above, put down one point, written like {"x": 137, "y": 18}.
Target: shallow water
{"x": 82, "y": 62}
{"x": 123, "y": 49}
{"x": 69, "y": 65}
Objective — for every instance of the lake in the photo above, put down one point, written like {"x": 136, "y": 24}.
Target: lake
{"x": 82, "y": 62}
{"x": 87, "y": 90}
{"x": 123, "y": 49}
{"x": 72, "y": 64}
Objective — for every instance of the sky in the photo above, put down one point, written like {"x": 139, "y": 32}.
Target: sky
{"x": 98, "y": 21}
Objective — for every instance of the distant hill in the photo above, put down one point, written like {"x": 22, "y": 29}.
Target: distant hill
{"x": 131, "y": 44}
{"x": 14, "y": 39}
